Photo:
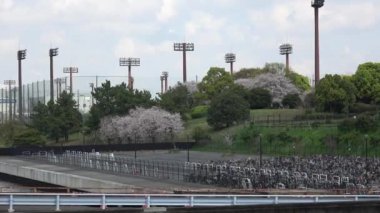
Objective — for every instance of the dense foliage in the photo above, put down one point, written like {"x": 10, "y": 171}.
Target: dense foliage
{"x": 291, "y": 101}
{"x": 226, "y": 109}
{"x": 115, "y": 100}
{"x": 177, "y": 99}
{"x": 58, "y": 119}
{"x": 367, "y": 82}
{"x": 335, "y": 94}
{"x": 259, "y": 98}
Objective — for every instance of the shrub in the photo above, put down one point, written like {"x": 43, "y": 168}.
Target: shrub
{"x": 362, "y": 107}
{"x": 291, "y": 101}
{"x": 199, "y": 111}
{"x": 199, "y": 134}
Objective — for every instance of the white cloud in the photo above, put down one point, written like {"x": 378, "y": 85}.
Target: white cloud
{"x": 168, "y": 10}
{"x": 9, "y": 45}
{"x": 356, "y": 15}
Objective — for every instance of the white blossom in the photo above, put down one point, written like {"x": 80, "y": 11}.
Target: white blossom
{"x": 276, "y": 83}
{"x": 144, "y": 124}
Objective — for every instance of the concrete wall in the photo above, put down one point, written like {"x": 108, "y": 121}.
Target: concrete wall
{"x": 66, "y": 180}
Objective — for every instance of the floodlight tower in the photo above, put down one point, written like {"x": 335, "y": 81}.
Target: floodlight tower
{"x": 10, "y": 83}
{"x": 230, "y": 58}
{"x": 70, "y": 70}
{"x": 21, "y": 55}
{"x": 129, "y": 62}
{"x": 52, "y": 52}
{"x": 165, "y": 75}
{"x": 184, "y": 47}
{"x": 286, "y": 49}
{"x": 316, "y": 4}
{"x": 162, "y": 78}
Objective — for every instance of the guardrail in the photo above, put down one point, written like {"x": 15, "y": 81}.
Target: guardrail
{"x": 169, "y": 200}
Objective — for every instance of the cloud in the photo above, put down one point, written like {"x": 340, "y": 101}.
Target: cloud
{"x": 8, "y": 45}
{"x": 357, "y": 15}
{"x": 168, "y": 10}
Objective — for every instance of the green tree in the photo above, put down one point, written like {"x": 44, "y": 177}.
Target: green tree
{"x": 115, "y": 100}
{"x": 216, "y": 80}
{"x": 71, "y": 118}
{"x": 335, "y": 94}
{"x": 177, "y": 99}
{"x": 27, "y": 137}
{"x": 300, "y": 81}
{"x": 367, "y": 81}
{"x": 291, "y": 101}
{"x": 248, "y": 73}
{"x": 259, "y": 98}
{"x": 226, "y": 108}
{"x": 57, "y": 119}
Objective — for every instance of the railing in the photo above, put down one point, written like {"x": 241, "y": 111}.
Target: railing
{"x": 169, "y": 200}
{"x": 174, "y": 171}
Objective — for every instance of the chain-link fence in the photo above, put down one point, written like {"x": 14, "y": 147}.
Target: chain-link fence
{"x": 114, "y": 164}
{"x": 39, "y": 92}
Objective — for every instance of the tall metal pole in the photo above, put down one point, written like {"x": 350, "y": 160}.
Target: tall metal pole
{"x": 230, "y": 58}
{"x": 129, "y": 62}
{"x": 316, "y": 18}
{"x": 129, "y": 76}
{"x": 184, "y": 47}
{"x": 70, "y": 70}
{"x": 162, "y": 84}
{"x": 2, "y": 106}
{"x": 184, "y": 62}
{"x": 316, "y": 4}
{"x": 286, "y": 49}
{"x": 21, "y": 54}
{"x": 52, "y": 53}
{"x": 165, "y": 76}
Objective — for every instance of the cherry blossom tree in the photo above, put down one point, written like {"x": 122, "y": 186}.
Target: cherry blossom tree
{"x": 278, "y": 85}
{"x": 143, "y": 124}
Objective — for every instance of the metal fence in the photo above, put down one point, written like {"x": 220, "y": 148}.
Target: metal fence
{"x": 39, "y": 92}
{"x": 249, "y": 174}
{"x": 109, "y": 163}
{"x": 170, "y": 200}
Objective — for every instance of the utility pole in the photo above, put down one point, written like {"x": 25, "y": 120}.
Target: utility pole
{"x": 70, "y": 70}
{"x": 184, "y": 47}
{"x": 129, "y": 62}
{"x": 317, "y": 4}
{"x": 21, "y": 55}
{"x": 10, "y": 83}
{"x": 52, "y": 52}
{"x": 286, "y": 49}
{"x": 230, "y": 58}
{"x": 165, "y": 75}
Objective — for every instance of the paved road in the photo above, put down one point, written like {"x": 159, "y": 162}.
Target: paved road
{"x": 141, "y": 184}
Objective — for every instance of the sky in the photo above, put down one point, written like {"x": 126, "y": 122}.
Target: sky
{"x": 93, "y": 34}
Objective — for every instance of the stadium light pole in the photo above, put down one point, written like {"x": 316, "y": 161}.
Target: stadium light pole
{"x": 162, "y": 84}
{"x": 52, "y": 52}
{"x": 129, "y": 62}
{"x": 316, "y": 4}
{"x": 184, "y": 47}
{"x": 10, "y": 83}
{"x": 70, "y": 70}
{"x": 21, "y": 55}
{"x": 230, "y": 58}
{"x": 286, "y": 49}
{"x": 165, "y": 75}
